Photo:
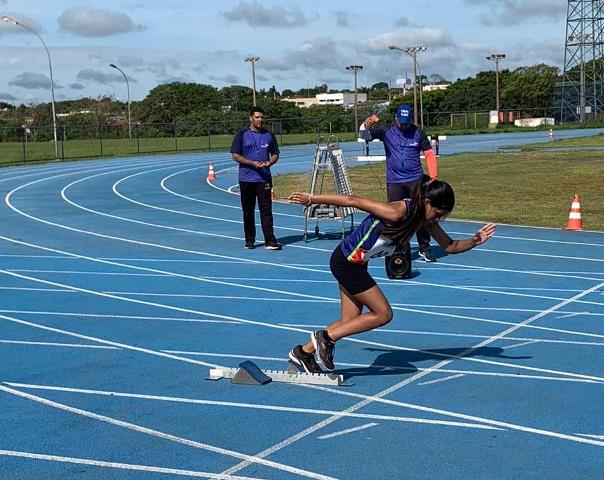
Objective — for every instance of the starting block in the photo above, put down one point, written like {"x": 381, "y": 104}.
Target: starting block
{"x": 249, "y": 373}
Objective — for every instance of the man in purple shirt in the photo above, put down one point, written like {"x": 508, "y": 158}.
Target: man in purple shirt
{"x": 255, "y": 149}
{"x": 403, "y": 144}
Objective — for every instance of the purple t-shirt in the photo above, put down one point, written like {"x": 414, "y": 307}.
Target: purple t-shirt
{"x": 403, "y": 148}
{"x": 255, "y": 146}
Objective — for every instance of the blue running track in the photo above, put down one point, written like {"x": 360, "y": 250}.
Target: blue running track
{"x": 123, "y": 281}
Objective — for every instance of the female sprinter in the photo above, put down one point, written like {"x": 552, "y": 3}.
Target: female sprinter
{"x": 387, "y": 225}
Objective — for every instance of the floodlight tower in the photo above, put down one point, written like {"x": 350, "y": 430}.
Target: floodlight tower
{"x": 582, "y": 87}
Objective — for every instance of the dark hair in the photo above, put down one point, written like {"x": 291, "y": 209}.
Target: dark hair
{"x": 256, "y": 109}
{"x": 441, "y": 196}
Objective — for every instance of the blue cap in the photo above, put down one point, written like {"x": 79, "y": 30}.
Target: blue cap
{"x": 403, "y": 114}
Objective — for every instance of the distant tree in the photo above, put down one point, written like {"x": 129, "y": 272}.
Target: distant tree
{"x": 170, "y": 101}
{"x": 529, "y": 87}
{"x": 436, "y": 79}
{"x": 379, "y": 86}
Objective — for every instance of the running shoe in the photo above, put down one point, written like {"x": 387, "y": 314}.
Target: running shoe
{"x": 305, "y": 360}
{"x": 427, "y": 255}
{"x": 324, "y": 348}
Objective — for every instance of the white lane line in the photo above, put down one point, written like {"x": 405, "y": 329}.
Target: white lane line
{"x": 109, "y": 342}
{"x": 350, "y": 339}
{"x": 120, "y": 466}
{"x": 347, "y": 431}
{"x": 598, "y": 437}
{"x": 82, "y": 272}
{"x": 443, "y": 379}
{"x": 165, "y": 436}
{"x": 367, "y": 401}
{"x": 500, "y": 322}
{"x": 573, "y": 314}
{"x": 55, "y": 344}
{"x": 488, "y": 421}
{"x": 273, "y": 279}
{"x": 220, "y": 297}
{"x": 134, "y": 267}
{"x": 456, "y": 335}
{"x": 9, "y": 204}
{"x": 120, "y": 317}
{"x": 34, "y": 289}
{"x": 162, "y": 184}
{"x": 271, "y": 325}
{"x": 543, "y": 255}
{"x": 401, "y": 368}
{"x": 522, "y": 344}
{"x": 251, "y": 406}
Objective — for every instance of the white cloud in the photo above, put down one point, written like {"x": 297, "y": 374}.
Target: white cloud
{"x": 7, "y": 96}
{"x": 378, "y": 45}
{"x": 93, "y": 22}
{"x": 256, "y": 15}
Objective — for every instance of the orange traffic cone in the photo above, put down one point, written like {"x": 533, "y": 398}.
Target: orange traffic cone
{"x": 574, "y": 217}
{"x": 211, "y": 174}
{"x": 273, "y": 196}
{"x": 550, "y": 135}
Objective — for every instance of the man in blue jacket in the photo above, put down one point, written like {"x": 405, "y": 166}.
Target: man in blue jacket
{"x": 403, "y": 144}
{"x": 255, "y": 149}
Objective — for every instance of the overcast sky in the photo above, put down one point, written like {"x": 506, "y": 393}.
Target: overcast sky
{"x": 300, "y": 43}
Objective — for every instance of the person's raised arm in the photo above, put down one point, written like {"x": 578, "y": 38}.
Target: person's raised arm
{"x": 459, "y": 246}
{"x": 388, "y": 211}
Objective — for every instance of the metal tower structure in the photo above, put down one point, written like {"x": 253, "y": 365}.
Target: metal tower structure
{"x": 581, "y": 92}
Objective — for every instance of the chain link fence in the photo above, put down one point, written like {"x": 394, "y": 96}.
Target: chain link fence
{"x": 36, "y": 143}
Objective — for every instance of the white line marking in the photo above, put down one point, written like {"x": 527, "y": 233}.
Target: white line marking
{"x": 573, "y": 314}
{"x": 8, "y": 202}
{"x": 33, "y": 289}
{"x": 530, "y": 342}
{"x": 251, "y": 406}
{"x": 348, "y": 430}
{"x": 54, "y": 344}
{"x": 402, "y": 369}
{"x": 121, "y": 317}
{"x": 417, "y": 376}
{"x": 165, "y": 436}
{"x": 108, "y": 342}
{"x": 80, "y": 272}
{"x": 598, "y": 437}
{"x": 457, "y": 335}
{"x": 270, "y": 325}
{"x": 505, "y": 425}
{"x": 443, "y": 379}
{"x": 121, "y": 466}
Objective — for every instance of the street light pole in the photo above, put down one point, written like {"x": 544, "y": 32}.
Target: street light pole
{"x": 128, "y": 89}
{"x": 412, "y": 52}
{"x": 496, "y": 57}
{"x": 355, "y": 69}
{"x": 12, "y": 21}
{"x": 253, "y": 61}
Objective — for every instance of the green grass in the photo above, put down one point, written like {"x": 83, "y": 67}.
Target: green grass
{"x": 16, "y": 152}
{"x": 526, "y": 188}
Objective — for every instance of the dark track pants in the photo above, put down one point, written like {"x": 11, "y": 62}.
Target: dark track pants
{"x": 249, "y": 191}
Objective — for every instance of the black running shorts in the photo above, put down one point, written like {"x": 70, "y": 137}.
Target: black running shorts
{"x": 353, "y": 277}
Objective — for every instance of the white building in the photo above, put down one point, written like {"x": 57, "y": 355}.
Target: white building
{"x": 431, "y": 88}
{"x": 345, "y": 99}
